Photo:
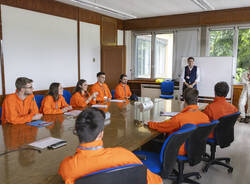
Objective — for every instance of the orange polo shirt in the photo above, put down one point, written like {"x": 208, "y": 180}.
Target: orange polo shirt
{"x": 49, "y": 106}
{"x": 189, "y": 114}
{"x": 88, "y": 161}
{"x": 219, "y": 108}
{"x": 78, "y": 100}
{"x": 122, "y": 91}
{"x": 18, "y": 111}
{"x": 103, "y": 90}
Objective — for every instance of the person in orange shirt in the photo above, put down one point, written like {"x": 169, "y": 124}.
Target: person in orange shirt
{"x": 20, "y": 107}
{"x": 220, "y": 107}
{"x": 190, "y": 114}
{"x": 122, "y": 90}
{"x": 81, "y": 96}
{"x": 90, "y": 155}
{"x": 102, "y": 88}
{"x": 54, "y": 102}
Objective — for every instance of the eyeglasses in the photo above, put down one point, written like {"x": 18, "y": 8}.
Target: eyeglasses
{"x": 28, "y": 87}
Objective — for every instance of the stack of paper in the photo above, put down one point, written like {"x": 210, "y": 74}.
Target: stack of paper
{"x": 101, "y": 106}
{"x": 168, "y": 113}
{"x": 44, "y": 143}
{"x": 73, "y": 113}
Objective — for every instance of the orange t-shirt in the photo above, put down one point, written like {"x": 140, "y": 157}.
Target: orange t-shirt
{"x": 49, "y": 106}
{"x": 78, "y": 100}
{"x": 219, "y": 108}
{"x": 122, "y": 91}
{"x": 103, "y": 91}
{"x": 18, "y": 111}
{"x": 88, "y": 161}
{"x": 190, "y": 114}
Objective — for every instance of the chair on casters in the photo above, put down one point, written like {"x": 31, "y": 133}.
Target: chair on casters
{"x": 164, "y": 162}
{"x": 223, "y": 136}
{"x": 67, "y": 95}
{"x": 167, "y": 89}
{"x": 133, "y": 173}
{"x": 195, "y": 147}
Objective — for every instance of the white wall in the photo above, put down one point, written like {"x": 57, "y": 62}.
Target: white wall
{"x": 119, "y": 37}
{"x": 39, "y": 46}
{"x": 128, "y": 43}
{"x": 1, "y": 89}
{"x": 89, "y": 51}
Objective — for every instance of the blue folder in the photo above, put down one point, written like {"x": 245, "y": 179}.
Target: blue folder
{"x": 39, "y": 123}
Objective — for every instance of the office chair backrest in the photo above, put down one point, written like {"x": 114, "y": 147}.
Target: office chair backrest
{"x": 171, "y": 148}
{"x": 67, "y": 95}
{"x": 0, "y": 115}
{"x": 224, "y": 131}
{"x": 113, "y": 94}
{"x": 127, "y": 174}
{"x": 196, "y": 143}
{"x": 39, "y": 99}
{"x": 167, "y": 87}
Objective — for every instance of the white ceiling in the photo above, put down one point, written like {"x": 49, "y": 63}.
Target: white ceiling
{"x": 152, "y": 8}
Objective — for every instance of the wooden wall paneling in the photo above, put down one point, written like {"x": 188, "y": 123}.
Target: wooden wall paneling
{"x": 45, "y": 6}
{"x": 113, "y": 64}
{"x": 108, "y": 31}
{"x": 236, "y": 94}
{"x": 217, "y": 17}
{"x": 2, "y": 69}
{"x": 89, "y": 17}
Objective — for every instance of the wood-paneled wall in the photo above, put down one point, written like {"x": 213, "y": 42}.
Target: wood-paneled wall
{"x": 218, "y": 17}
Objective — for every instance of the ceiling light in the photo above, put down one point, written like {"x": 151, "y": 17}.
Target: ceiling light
{"x": 203, "y": 4}
{"x": 103, "y": 8}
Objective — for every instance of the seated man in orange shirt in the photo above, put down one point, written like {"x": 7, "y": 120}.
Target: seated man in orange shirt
{"x": 220, "y": 107}
{"x": 122, "y": 90}
{"x": 190, "y": 114}
{"x": 54, "y": 102}
{"x": 90, "y": 155}
{"x": 20, "y": 107}
{"x": 102, "y": 88}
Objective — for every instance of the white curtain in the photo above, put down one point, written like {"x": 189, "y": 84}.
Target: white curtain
{"x": 187, "y": 43}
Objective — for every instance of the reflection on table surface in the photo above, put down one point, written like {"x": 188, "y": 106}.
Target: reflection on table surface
{"x": 125, "y": 129}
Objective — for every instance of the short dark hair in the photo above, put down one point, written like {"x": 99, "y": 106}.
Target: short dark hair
{"x": 100, "y": 73}
{"x": 123, "y": 75}
{"x": 54, "y": 90}
{"x": 191, "y": 96}
{"x": 221, "y": 89}
{"x": 89, "y": 124}
{"x": 21, "y": 82}
{"x": 190, "y": 58}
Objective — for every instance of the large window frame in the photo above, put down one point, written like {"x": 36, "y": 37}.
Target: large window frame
{"x": 153, "y": 45}
{"x": 236, "y": 29}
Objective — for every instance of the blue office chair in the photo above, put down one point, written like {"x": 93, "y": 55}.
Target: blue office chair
{"x": 164, "y": 162}
{"x": 113, "y": 94}
{"x": 39, "y": 99}
{"x": 67, "y": 95}
{"x": 195, "y": 147}
{"x": 167, "y": 89}
{"x": 223, "y": 136}
{"x": 132, "y": 173}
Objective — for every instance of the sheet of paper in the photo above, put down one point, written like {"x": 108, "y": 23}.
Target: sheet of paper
{"x": 101, "y": 106}
{"x": 115, "y": 100}
{"x": 168, "y": 113}
{"x": 44, "y": 143}
{"x": 39, "y": 123}
{"x": 73, "y": 113}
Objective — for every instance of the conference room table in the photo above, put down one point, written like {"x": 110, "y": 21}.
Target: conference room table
{"x": 125, "y": 129}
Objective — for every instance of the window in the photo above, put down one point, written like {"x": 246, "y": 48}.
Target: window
{"x": 162, "y": 51}
{"x": 163, "y": 55}
{"x": 221, "y": 42}
{"x": 143, "y": 56}
{"x": 243, "y": 56}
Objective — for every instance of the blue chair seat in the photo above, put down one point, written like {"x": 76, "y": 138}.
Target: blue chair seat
{"x": 167, "y": 96}
{"x": 211, "y": 140}
{"x": 152, "y": 161}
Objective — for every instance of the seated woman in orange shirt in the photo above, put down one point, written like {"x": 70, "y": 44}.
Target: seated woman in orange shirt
{"x": 54, "y": 102}
{"x": 81, "y": 96}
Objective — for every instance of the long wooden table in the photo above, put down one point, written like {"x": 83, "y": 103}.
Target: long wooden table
{"x": 126, "y": 129}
